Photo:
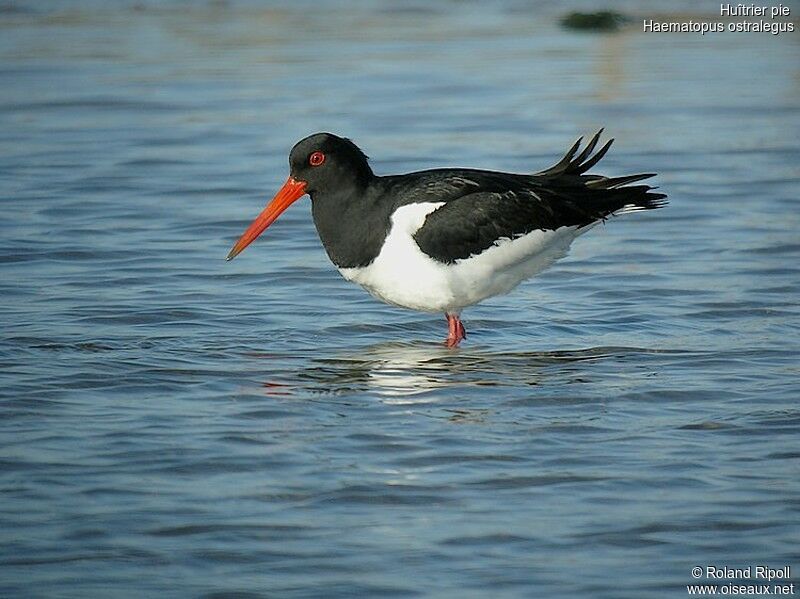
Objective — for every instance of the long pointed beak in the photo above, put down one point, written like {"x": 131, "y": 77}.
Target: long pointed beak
{"x": 291, "y": 191}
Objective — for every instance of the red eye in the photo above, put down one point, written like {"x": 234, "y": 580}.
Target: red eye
{"x": 316, "y": 158}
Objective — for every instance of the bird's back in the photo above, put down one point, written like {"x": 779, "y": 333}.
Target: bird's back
{"x": 480, "y": 208}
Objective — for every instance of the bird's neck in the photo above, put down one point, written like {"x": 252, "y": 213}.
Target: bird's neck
{"x": 352, "y": 222}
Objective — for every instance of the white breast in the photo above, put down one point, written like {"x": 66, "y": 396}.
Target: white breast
{"x": 405, "y": 276}
{"x": 402, "y": 274}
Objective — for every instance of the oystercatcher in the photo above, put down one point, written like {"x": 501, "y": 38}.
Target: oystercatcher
{"x": 443, "y": 239}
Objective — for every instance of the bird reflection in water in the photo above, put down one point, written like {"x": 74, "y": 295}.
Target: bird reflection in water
{"x": 410, "y": 373}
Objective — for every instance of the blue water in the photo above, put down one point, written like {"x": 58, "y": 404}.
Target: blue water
{"x": 174, "y": 425}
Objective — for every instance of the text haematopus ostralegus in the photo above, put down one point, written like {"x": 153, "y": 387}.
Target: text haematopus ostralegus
{"x": 444, "y": 239}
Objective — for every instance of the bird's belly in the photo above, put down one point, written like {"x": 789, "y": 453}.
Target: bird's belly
{"x": 500, "y": 268}
{"x": 405, "y": 276}
{"x": 409, "y": 279}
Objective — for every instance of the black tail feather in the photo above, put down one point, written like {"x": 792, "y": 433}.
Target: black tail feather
{"x": 613, "y": 182}
{"x": 582, "y": 168}
{"x": 562, "y": 165}
{"x": 589, "y": 148}
{"x": 596, "y": 197}
{"x": 577, "y": 165}
{"x": 606, "y": 195}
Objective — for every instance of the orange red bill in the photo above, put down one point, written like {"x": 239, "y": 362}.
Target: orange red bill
{"x": 291, "y": 191}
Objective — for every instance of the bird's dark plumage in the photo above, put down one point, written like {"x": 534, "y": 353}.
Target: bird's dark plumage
{"x": 444, "y": 239}
{"x": 480, "y": 207}
{"x": 504, "y": 206}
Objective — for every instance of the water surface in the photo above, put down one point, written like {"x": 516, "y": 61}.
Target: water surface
{"x": 175, "y": 425}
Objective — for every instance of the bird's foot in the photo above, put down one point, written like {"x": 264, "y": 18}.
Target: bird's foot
{"x": 456, "y": 330}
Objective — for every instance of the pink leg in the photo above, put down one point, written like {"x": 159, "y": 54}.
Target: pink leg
{"x": 456, "y": 331}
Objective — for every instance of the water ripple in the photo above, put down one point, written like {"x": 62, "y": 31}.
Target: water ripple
{"x": 176, "y": 425}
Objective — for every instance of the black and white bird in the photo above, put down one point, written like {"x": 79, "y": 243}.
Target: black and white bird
{"x": 444, "y": 239}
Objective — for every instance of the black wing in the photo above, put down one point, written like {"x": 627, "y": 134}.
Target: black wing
{"x": 504, "y": 206}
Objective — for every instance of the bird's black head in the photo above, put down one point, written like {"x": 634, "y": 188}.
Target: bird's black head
{"x": 321, "y": 164}
{"x": 326, "y": 162}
